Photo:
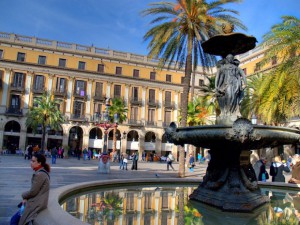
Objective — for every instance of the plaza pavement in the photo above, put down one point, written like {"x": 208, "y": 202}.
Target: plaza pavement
{"x": 15, "y": 177}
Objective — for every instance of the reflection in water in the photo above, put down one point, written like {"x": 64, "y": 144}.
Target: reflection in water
{"x": 169, "y": 205}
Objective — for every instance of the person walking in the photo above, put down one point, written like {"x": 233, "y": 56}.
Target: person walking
{"x": 85, "y": 152}
{"x": 121, "y": 161}
{"x": 135, "y": 158}
{"x": 260, "y": 170}
{"x": 170, "y": 160}
{"x": 36, "y": 199}
{"x": 199, "y": 157}
{"x": 276, "y": 170}
{"x": 125, "y": 162}
{"x": 191, "y": 163}
{"x": 53, "y": 155}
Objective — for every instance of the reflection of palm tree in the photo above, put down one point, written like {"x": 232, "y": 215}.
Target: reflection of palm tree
{"x": 108, "y": 209}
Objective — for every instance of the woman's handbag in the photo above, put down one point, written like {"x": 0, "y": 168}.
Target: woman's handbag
{"x": 16, "y": 218}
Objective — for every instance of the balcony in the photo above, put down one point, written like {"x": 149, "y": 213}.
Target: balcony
{"x": 38, "y": 91}
{"x": 151, "y": 124}
{"x": 80, "y": 94}
{"x": 60, "y": 93}
{"x": 100, "y": 98}
{"x": 96, "y": 118}
{"x": 166, "y": 124}
{"x": 12, "y": 111}
{"x": 79, "y": 118}
{"x": 19, "y": 89}
{"x": 169, "y": 104}
{"x": 135, "y": 123}
{"x": 153, "y": 103}
{"x": 136, "y": 101}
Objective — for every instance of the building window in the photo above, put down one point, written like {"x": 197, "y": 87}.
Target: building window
{"x": 257, "y": 67}
{"x": 201, "y": 82}
{"x": 15, "y": 102}
{"x": 167, "y": 118}
{"x": 78, "y": 109}
{"x": 81, "y": 65}
{"x": 168, "y": 97}
{"x": 152, "y": 75}
{"x": 18, "y": 81}
{"x": 119, "y": 70}
{"x": 1, "y": 77}
{"x": 148, "y": 201}
{"x": 117, "y": 91}
{"x": 99, "y": 89}
{"x": 129, "y": 201}
{"x": 135, "y": 93}
{"x": 100, "y": 68}
{"x": 164, "y": 199}
{"x": 42, "y": 60}
{"x": 274, "y": 60}
{"x": 136, "y": 73}
{"x": 60, "y": 84}
{"x": 151, "y": 115}
{"x": 134, "y": 113}
{"x": 62, "y": 63}
{"x": 169, "y": 78}
{"x": 245, "y": 71}
{"x": 21, "y": 57}
{"x": 1, "y": 53}
{"x": 152, "y": 96}
{"x": 39, "y": 82}
{"x": 80, "y": 87}
{"x": 97, "y": 108}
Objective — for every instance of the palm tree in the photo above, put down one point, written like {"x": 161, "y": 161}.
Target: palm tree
{"x": 117, "y": 109}
{"x": 44, "y": 113}
{"x": 176, "y": 40}
{"x": 275, "y": 96}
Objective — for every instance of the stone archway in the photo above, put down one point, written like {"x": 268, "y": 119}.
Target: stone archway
{"x": 11, "y": 137}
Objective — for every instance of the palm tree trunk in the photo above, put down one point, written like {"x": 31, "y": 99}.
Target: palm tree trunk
{"x": 115, "y": 138}
{"x": 43, "y": 138}
{"x": 184, "y": 102}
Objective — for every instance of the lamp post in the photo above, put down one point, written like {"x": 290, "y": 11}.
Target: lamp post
{"x": 254, "y": 119}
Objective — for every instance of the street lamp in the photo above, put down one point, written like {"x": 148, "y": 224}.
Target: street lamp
{"x": 254, "y": 119}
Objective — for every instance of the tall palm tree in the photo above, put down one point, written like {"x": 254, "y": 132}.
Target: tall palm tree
{"x": 117, "y": 108}
{"x": 176, "y": 39}
{"x": 44, "y": 113}
{"x": 275, "y": 96}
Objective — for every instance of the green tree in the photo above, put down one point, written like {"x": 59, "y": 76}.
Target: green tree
{"x": 274, "y": 96}
{"x": 176, "y": 39}
{"x": 117, "y": 108}
{"x": 44, "y": 113}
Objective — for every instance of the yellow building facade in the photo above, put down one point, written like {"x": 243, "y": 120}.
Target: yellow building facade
{"x": 82, "y": 78}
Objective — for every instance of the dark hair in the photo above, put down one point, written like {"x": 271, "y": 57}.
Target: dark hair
{"x": 42, "y": 159}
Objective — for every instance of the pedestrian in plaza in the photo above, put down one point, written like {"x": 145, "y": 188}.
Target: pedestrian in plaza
{"x": 78, "y": 152}
{"x": 277, "y": 168}
{"x": 260, "y": 170}
{"x": 53, "y": 155}
{"x": 191, "y": 162}
{"x": 125, "y": 162}
{"x": 170, "y": 159}
{"x": 26, "y": 156}
{"x": 199, "y": 156}
{"x": 295, "y": 179}
{"x": 36, "y": 199}
{"x": 135, "y": 158}
{"x": 85, "y": 153}
{"x": 90, "y": 154}
{"x": 121, "y": 161}
{"x": 30, "y": 150}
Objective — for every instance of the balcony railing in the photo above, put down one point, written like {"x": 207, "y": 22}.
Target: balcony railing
{"x": 60, "y": 93}
{"x": 151, "y": 123}
{"x": 136, "y": 101}
{"x": 12, "y": 111}
{"x": 78, "y": 117}
{"x": 38, "y": 90}
{"x": 80, "y": 94}
{"x": 16, "y": 88}
{"x": 153, "y": 103}
{"x": 100, "y": 98}
{"x": 169, "y": 104}
{"x": 135, "y": 123}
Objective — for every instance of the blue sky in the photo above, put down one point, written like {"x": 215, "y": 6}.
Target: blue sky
{"x": 117, "y": 24}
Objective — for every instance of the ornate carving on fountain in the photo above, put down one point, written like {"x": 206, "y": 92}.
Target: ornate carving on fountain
{"x": 242, "y": 131}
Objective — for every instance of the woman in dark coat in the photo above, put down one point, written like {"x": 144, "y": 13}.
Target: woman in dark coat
{"x": 36, "y": 199}
{"x": 276, "y": 170}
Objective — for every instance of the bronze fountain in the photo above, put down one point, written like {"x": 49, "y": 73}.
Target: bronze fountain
{"x": 229, "y": 184}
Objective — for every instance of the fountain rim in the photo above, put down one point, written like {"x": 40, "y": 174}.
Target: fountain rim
{"x": 54, "y": 212}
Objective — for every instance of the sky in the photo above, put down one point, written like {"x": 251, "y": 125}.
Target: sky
{"x": 118, "y": 24}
